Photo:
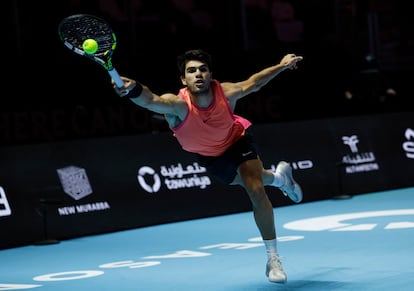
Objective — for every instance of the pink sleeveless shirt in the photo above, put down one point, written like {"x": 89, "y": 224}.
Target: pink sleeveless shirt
{"x": 209, "y": 131}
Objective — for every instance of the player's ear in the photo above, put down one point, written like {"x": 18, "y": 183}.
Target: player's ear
{"x": 183, "y": 81}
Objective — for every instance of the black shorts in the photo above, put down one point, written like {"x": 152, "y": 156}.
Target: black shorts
{"x": 224, "y": 167}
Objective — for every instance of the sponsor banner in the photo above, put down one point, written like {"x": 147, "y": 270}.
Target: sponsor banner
{"x": 70, "y": 189}
{"x": 373, "y": 152}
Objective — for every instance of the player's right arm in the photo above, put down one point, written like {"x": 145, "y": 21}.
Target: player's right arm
{"x": 167, "y": 104}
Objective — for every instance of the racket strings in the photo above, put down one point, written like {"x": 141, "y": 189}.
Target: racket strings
{"x": 76, "y": 29}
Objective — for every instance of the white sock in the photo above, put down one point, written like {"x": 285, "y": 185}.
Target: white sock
{"x": 278, "y": 180}
{"x": 271, "y": 247}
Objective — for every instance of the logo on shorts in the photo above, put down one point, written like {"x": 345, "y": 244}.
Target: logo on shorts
{"x": 246, "y": 154}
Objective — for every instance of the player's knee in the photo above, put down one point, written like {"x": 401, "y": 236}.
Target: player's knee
{"x": 255, "y": 188}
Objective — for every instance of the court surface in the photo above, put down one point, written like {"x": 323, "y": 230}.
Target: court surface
{"x": 362, "y": 243}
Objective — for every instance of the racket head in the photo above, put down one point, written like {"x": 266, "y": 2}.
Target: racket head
{"x": 75, "y": 29}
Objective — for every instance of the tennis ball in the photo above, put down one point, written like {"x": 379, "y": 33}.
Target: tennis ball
{"x": 90, "y": 46}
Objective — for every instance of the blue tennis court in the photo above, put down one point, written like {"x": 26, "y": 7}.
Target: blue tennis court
{"x": 362, "y": 243}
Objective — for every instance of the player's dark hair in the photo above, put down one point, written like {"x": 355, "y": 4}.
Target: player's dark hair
{"x": 191, "y": 55}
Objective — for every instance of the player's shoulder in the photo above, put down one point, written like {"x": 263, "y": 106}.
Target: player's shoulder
{"x": 231, "y": 89}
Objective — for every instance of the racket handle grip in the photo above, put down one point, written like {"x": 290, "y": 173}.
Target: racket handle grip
{"x": 116, "y": 77}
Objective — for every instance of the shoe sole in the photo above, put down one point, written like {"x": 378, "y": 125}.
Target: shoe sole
{"x": 297, "y": 192}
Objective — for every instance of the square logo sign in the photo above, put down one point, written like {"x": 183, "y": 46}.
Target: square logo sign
{"x": 74, "y": 182}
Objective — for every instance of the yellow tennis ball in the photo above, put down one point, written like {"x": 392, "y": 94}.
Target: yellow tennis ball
{"x": 90, "y": 46}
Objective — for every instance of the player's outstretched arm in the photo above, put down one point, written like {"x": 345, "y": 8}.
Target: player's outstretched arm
{"x": 142, "y": 96}
{"x": 255, "y": 82}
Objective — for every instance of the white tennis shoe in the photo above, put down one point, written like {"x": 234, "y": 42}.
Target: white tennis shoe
{"x": 290, "y": 188}
{"x": 274, "y": 270}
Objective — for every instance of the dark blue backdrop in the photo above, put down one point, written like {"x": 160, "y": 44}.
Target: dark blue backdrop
{"x": 68, "y": 189}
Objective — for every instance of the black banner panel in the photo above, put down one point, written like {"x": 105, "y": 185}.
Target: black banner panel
{"x": 69, "y": 189}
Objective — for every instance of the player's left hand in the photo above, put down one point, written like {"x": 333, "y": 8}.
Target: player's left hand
{"x": 290, "y": 61}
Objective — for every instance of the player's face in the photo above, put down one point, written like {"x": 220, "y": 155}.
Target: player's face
{"x": 197, "y": 77}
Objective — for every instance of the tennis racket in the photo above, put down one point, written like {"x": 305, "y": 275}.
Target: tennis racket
{"x": 74, "y": 30}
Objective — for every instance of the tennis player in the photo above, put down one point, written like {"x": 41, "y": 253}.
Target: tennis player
{"x": 201, "y": 117}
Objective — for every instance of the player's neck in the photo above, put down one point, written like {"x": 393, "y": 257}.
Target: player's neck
{"x": 202, "y": 99}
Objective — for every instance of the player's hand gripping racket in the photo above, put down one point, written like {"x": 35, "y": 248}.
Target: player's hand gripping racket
{"x": 91, "y": 37}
